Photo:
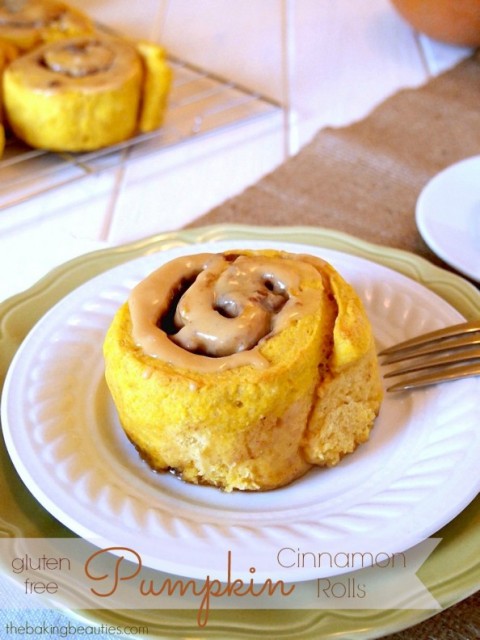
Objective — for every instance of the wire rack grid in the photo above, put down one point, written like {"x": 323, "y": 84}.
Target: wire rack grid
{"x": 200, "y": 103}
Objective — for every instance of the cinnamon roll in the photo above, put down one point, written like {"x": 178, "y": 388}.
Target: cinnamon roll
{"x": 81, "y": 94}
{"x": 31, "y": 23}
{"x": 243, "y": 369}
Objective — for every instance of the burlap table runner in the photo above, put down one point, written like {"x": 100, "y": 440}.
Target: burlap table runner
{"x": 364, "y": 179}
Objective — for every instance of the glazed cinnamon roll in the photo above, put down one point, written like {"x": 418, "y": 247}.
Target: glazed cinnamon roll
{"x": 80, "y": 94}
{"x": 31, "y": 23}
{"x": 243, "y": 369}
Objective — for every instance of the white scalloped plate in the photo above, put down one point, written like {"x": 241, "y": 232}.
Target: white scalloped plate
{"x": 64, "y": 438}
{"x": 448, "y": 216}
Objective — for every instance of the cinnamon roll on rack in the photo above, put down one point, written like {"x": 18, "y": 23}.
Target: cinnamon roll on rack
{"x": 30, "y": 23}
{"x": 86, "y": 93}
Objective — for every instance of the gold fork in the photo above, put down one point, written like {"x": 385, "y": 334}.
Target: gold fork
{"x": 437, "y": 356}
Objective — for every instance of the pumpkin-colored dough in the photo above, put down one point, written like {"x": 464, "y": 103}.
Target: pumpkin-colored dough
{"x": 252, "y": 427}
{"x": 156, "y": 85}
{"x": 74, "y": 95}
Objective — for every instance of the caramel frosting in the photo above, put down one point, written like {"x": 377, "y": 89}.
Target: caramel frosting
{"x": 79, "y": 59}
{"x": 88, "y": 62}
{"x": 213, "y": 311}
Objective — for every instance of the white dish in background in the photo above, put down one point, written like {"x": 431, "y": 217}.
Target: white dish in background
{"x": 64, "y": 438}
{"x": 448, "y": 216}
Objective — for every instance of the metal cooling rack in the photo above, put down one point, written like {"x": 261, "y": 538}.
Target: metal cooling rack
{"x": 200, "y": 103}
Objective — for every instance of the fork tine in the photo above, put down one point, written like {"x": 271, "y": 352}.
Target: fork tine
{"x": 441, "y": 359}
{"x": 439, "y": 334}
{"x": 430, "y": 347}
{"x": 448, "y": 354}
{"x": 455, "y": 373}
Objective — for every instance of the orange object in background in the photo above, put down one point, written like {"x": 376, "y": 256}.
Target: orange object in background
{"x": 451, "y": 21}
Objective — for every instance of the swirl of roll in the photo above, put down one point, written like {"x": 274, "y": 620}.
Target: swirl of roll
{"x": 76, "y": 94}
{"x": 244, "y": 369}
{"x": 31, "y": 23}
{"x": 228, "y": 305}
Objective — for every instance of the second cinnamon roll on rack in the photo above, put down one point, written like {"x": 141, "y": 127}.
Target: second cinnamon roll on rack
{"x": 31, "y": 23}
